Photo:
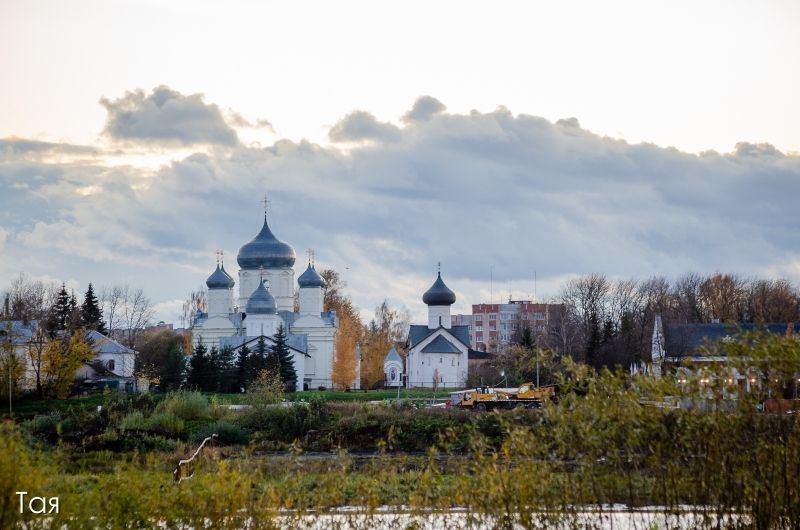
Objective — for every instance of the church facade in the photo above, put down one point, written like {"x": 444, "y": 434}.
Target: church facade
{"x": 437, "y": 352}
{"x": 266, "y": 300}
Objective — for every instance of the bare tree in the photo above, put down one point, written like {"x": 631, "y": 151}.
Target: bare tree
{"x": 137, "y": 313}
{"x": 687, "y": 298}
{"x": 772, "y": 301}
{"x": 112, "y": 299}
{"x": 128, "y": 311}
{"x": 197, "y": 301}
{"x": 30, "y": 299}
{"x": 36, "y": 355}
{"x": 723, "y": 297}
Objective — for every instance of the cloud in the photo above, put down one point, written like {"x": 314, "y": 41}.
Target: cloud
{"x": 425, "y": 107}
{"x": 359, "y": 126}
{"x": 22, "y": 148}
{"x": 514, "y": 192}
{"x": 166, "y": 116}
{"x": 237, "y": 120}
{"x": 756, "y": 150}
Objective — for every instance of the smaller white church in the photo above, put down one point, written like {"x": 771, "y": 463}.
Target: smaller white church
{"x": 437, "y": 352}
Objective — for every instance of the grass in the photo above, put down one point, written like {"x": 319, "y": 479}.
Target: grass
{"x": 29, "y": 407}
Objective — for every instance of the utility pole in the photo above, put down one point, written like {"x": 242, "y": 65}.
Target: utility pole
{"x": 538, "y": 352}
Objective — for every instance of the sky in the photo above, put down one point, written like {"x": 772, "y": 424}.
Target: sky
{"x": 505, "y": 140}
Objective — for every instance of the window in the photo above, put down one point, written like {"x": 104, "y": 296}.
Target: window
{"x": 492, "y": 317}
{"x": 452, "y": 362}
{"x": 111, "y": 364}
{"x": 441, "y": 360}
{"x": 479, "y": 328}
{"x": 505, "y": 326}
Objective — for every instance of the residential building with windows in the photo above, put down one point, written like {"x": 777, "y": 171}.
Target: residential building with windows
{"x": 493, "y": 327}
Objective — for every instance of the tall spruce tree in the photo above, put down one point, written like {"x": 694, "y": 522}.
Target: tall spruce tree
{"x": 60, "y": 313}
{"x": 243, "y": 370}
{"x": 198, "y": 367}
{"x": 91, "y": 314}
{"x": 227, "y": 370}
{"x": 284, "y": 358}
{"x": 172, "y": 369}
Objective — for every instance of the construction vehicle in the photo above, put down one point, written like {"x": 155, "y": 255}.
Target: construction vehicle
{"x": 488, "y": 398}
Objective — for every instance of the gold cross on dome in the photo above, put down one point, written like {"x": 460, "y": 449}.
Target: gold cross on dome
{"x": 311, "y": 257}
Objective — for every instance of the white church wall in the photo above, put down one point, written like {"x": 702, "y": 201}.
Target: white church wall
{"x": 450, "y": 368}
{"x": 439, "y": 315}
{"x": 310, "y": 300}
{"x": 220, "y": 302}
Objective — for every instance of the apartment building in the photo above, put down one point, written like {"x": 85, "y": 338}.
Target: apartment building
{"x": 493, "y": 327}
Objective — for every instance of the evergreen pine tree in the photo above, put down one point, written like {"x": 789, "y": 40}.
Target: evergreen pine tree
{"x": 243, "y": 370}
{"x": 284, "y": 357}
{"x": 213, "y": 369}
{"x": 171, "y": 372}
{"x": 261, "y": 359}
{"x": 198, "y": 367}
{"x": 91, "y": 314}
{"x": 227, "y": 371}
{"x": 593, "y": 340}
{"x": 59, "y": 315}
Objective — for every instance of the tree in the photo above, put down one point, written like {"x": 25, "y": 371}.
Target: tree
{"x": 350, "y": 331}
{"x": 197, "y": 301}
{"x": 128, "y": 310}
{"x": 348, "y": 336}
{"x": 594, "y": 340}
{"x": 266, "y": 389}
{"x": 723, "y": 297}
{"x": 198, "y": 367}
{"x": 388, "y": 328}
{"x": 243, "y": 370}
{"x": 62, "y": 358}
{"x": 12, "y": 369}
{"x": 284, "y": 358}
{"x": 172, "y": 369}
{"x": 60, "y": 313}
{"x": 91, "y": 312}
{"x": 153, "y": 348}
{"x": 36, "y": 355}
{"x": 30, "y": 299}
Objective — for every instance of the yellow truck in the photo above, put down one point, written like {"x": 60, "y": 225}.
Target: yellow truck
{"x": 488, "y": 398}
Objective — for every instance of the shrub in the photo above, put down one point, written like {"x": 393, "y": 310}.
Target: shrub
{"x": 228, "y": 433}
{"x": 165, "y": 423}
{"x": 266, "y": 389}
{"x": 186, "y": 405}
{"x": 135, "y": 421}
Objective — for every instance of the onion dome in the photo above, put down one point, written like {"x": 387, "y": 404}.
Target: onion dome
{"x": 439, "y": 294}
{"x": 220, "y": 279}
{"x": 310, "y": 278}
{"x": 266, "y": 250}
{"x": 261, "y": 302}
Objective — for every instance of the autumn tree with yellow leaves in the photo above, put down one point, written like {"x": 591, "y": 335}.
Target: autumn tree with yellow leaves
{"x": 62, "y": 357}
{"x": 350, "y": 330}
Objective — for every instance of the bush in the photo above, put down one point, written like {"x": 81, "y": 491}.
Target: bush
{"x": 165, "y": 423}
{"x": 228, "y": 433}
{"x": 185, "y": 405}
{"x": 135, "y": 421}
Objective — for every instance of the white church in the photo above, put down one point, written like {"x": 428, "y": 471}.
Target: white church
{"x": 266, "y": 300}
{"x": 438, "y": 352}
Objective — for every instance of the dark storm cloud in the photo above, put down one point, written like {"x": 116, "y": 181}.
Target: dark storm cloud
{"x": 360, "y": 125}
{"x": 475, "y": 190}
{"x": 424, "y": 108}
{"x": 166, "y": 116}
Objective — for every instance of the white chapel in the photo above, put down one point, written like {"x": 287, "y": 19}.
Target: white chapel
{"x": 266, "y": 300}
